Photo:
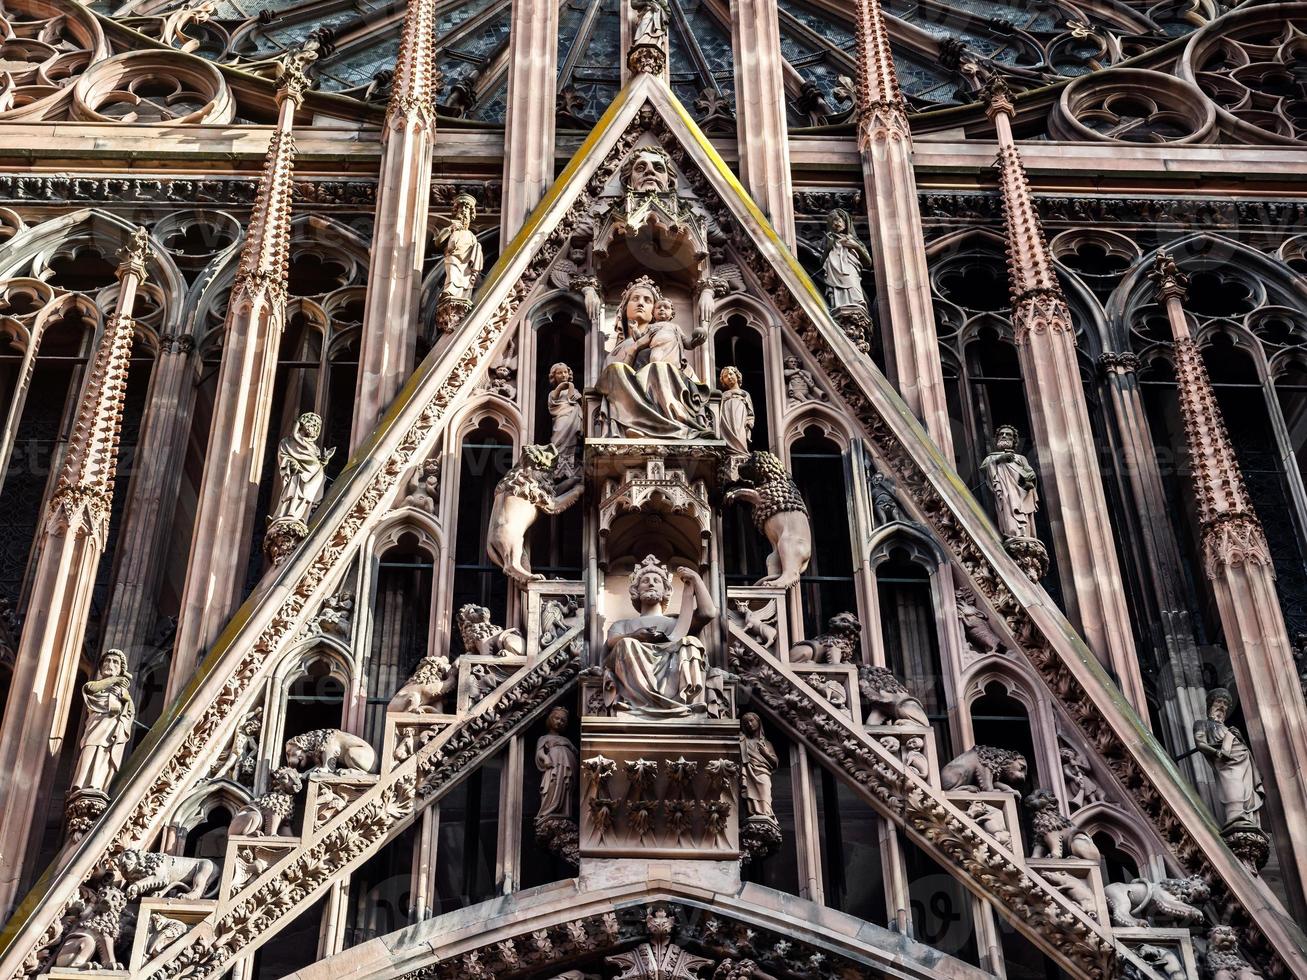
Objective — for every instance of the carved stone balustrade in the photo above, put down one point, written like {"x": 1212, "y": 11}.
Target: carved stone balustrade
{"x": 837, "y": 683}
{"x": 479, "y": 676}
{"x": 996, "y": 813}
{"x": 913, "y": 745}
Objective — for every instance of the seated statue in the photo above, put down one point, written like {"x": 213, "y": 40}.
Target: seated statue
{"x": 649, "y": 391}
{"x": 656, "y": 666}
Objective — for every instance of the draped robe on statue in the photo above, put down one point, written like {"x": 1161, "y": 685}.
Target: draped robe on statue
{"x": 303, "y": 476}
{"x": 648, "y": 390}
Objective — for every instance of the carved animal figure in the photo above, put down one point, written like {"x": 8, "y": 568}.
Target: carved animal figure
{"x": 1171, "y": 900}
{"x": 984, "y": 768}
{"x": 484, "y": 638}
{"x": 1055, "y": 835}
{"x": 521, "y": 496}
{"x": 1224, "y": 961}
{"x": 333, "y": 751}
{"x": 886, "y": 700}
{"x": 433, "y": 678}
{"x": 264, "y": 815}
{"x": 990, "y": 819}
{"x": 90, "y": 943}
{"x": 1075, "y": 889}
{"x": 838, "y": 645}
{"x": 163, "y": 933}
{"x": 779, "y": 514}
{"x": 161, "y": 875}
{"x": 1165, "y": 961}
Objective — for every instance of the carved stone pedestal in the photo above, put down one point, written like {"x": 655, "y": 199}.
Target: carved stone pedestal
{"x": 82, "y": 809}
{"x": 450, "y": 313}
{"x": 660, "y": 789}
{"x": 283, "y": 537}
{"x": 68, "y": 973}
{"x": 1250, "y": 844}
{"x": 1030, "y": 554}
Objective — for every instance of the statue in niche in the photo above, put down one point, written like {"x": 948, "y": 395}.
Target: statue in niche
{"x": 463, "y": 258}
{"x": 110, "y": 712}
{"x": 800, "y": 384}
{"x": 651, "y": 22}
{"x": 656, "y": 666}
{"x": 1238, "y": 785}
{"x": 648, "y": 171}
{"x": 737, "y": 411}
{"x": 556, "y": 758}
{"x": 1012, "y": 479}
{"x": 303, "y": 468}
{"x": 884, "y": 501}
{"x": 760, "y": 762}
{"x": 565, "y": 410}
{"x": 976, "y": 629}
{"x": 647, "y": 387}
{"x": 844, "y": 260}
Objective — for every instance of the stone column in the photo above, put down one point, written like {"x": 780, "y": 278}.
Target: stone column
{"x": 763, "y": 140}
{"x": 897, "y": 240}
{"x": 1068, "y": 457}
{"x": 72, "y": 543}
{"x": 1237, "y": 561}
{"x": 233, "y": 464}
{"x": 399, "y": 230}
{"x": 529, "y": 129}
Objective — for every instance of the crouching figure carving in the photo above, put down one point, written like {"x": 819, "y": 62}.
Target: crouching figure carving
{"x": 840, "y": 644}
{"x": 983, "y": 769}
{"x": 331, "y": 751}
{"x": 425, "y": 691}
{"x": 264, "y": 815}
{"x": 887, "y": 701}
{"x": 1055, "y": 835}
{"x": 1141, "y": 903}
{"x": 90, "y": 944}
{"x": 161, "y": 875}
{"x": 779, "y": 514}
{"x": 484, "y": 638}
{"x": 525, "y": 492}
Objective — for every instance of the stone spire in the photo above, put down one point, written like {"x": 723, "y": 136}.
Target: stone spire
{"x": 233, "y": 465}
{"x": 417, "y": 82}
{"x": 881, "y": 108}
{"x": 72, "y": 544}
{"x": 1045, "y": 338}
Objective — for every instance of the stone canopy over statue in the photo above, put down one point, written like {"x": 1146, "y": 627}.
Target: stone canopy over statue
{"x": 655, "y": 666}
{"x": 647, "y": 386}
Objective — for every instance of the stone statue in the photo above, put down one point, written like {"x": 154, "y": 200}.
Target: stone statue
{"x": 652, "y": 17}
{"x": 486, "y": 639}
{"x": 1081, "y": 787}
{"x": 648, "y": 171}
{"x": 977, "y": 631}
{"x": 646, "y": 384}
{"x": 800, "y": 384}
{"x": 264, "y": 816}
{"x": 425, "y": 691}
{"x": 1140, "y": 904}
{"x": 332, "y": 752}
{"x": 565, "y": 410}
{"x": 1012, "y": 479}
{"x": 760, "y": 761}
{"x": 983, "y": 769}
{"x": 556, "y": 758}
{"x": 463, "y": 258}
{"x": 110, "y": 712}
{"x": 1238, "y": 785}
{"x": 737, "y": 410}
{"x": 1054, "y": 835}
{"x": 1223, "y": 959}
{"x": 779, "y": 514}
{"x": 90, "y": 943}
{"x": 844, "y": 260}
{"x": 526, "y": 491}
{"x": 656, "y": 666}
{"x": 884, "y": 502}
{"x": 303, "y": 468}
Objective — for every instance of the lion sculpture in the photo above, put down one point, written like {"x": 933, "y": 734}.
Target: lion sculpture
{"x": 485, "y": 639}
{"x": 1141, "y": 903}
{"x": 886, "y": 701}
{"x": 525, "y": 492}
{"x": 331, "y": 751}
{"x": 1224, "y": 961}
{"x": 264, "y": 816}
{"x": 779, "y": 514}
{"x": 984, "y": 769}
{"x": 162, "y": 875}
{"x": 1162, "y": 959}
{"x": 840, "y": 644}
{"x": 425, "y": 691}
{"x": 90, "y": 944}
{"x": 1054, "y": 835}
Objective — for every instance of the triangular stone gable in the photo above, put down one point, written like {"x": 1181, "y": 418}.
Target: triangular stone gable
{"x": 173, "y": 758}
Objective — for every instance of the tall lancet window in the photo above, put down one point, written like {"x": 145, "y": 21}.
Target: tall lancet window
{"x": 401, "y": 625}
{"x": 827, "y": 587}
{"x": 557, "y": 542}
{"x": 485, "y": 455}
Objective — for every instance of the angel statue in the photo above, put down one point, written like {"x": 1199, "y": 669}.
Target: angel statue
{"x": 647, "y": 387}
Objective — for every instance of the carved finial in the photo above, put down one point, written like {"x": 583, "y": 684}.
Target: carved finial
{"x": 291, "y": 73}
{"x": 997, "y": 96}
{"x": 879, "y": 107}
{"x": 133, "y": 254}
{"x": 1170, "y": 281}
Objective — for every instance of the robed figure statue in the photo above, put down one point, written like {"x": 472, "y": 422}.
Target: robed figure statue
{"x": 1012, "y": 480}
{"x": 655, "y": 665}
{"x": 1238, "y": 786}
{"x": 110, "y": 712}
{"x": 303, "y": 468}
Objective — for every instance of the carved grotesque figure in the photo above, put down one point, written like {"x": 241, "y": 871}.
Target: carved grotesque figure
{"x": 89, "y": 944}
{"x": 110, "y": 712}
{"x": 884, "y": 501}
{"x": 737, "y": 410}
{"x": 1238, "y": 784}
{"x": 1163, "y": 959}
{"x": 303, "y": 469}
{"x": 1171, "y": 901}
{"x": 1224, "y": 961}
{"x": 840, "y": 644}
{"x": 463, "y": 258}
{"x": 526, "y": 491}
{"x": 1012, "y": 480}
{"x": 990, "y": 819}
{"x": 779, "y": 513}
{"x": 1052, "y": 834}
{"x": 977, "y": 631}
{"x": 648, "y": 170}
{"x": 844, "y": 260}
{"x": 656, "y": 665}
{"x": 1081, "y": 787}
{"x": 425, "y": 691}
{"x": 885, "y": 699}
{"x": 483, "y": 638}
{"x": 329, "y": 750}
{"x": 983, "y": 769}
{"x": 800, "y": 384}
{"x": 264, "y": 816}
{"x": 161, "y": 875}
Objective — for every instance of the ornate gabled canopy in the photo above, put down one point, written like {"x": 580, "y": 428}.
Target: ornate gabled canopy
{"x": 174, "y": 757}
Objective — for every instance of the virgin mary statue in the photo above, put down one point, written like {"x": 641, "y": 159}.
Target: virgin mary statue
{"x": 646, "y": 383}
